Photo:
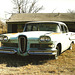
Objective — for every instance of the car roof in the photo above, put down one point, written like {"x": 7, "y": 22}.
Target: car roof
{"x": 45, "y": 22}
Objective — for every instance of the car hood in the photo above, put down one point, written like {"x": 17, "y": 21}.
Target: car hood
{"x": 30, "y": 34}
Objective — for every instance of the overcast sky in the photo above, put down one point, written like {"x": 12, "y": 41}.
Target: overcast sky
{"x": 59, "y": 6}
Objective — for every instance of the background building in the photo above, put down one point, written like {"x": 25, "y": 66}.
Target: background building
{"x": 17, "y": 22}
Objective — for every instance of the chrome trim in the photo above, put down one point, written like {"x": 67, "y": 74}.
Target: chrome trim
{"x": 22, "y": 50}
{"x": 42, "y": 52}
{"x": 8, "y": 51}
{"x": 20, "y": 43}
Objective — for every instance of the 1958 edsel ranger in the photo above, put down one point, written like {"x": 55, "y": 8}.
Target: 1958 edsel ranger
{"x": 38, "y": 38}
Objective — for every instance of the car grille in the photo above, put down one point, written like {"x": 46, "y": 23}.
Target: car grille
{"x": 10, "y": 45}
{"x": 40, "y": 46}
{"x": 22, "y": 44}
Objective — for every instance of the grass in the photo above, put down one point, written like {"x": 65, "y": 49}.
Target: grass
{"x": 2, "y": 31}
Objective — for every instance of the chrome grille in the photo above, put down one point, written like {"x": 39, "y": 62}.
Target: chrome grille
{"x": 22, "y": 44}
{"x": 9, "y": 45}
{"x": 40, "y": 46}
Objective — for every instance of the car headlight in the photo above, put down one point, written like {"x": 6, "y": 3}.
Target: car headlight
{"x": 5, "y": 38}
{"x": 1, "y": 38}
{"x": 45, "y": 38}
{"x": 42, "y": 39}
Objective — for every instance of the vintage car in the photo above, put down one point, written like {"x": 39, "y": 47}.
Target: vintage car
{"x": 38, "y": 38}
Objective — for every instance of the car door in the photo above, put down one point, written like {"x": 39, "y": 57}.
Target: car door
{"x": 65, "y": 37}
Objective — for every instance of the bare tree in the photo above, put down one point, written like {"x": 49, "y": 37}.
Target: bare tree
{"x": 26, "y": 6}
{"x": 71, "y": 11}
{"x": 53, "y": 10}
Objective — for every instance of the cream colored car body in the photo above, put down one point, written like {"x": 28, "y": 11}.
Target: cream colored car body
{"x": 30, "y": 42}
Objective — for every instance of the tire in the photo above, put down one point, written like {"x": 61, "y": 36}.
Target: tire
{"x": 58, "y": 52}
{"x": 70, "y": 48}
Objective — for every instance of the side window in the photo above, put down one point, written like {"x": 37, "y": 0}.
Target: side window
{"x": 64, "y": 29}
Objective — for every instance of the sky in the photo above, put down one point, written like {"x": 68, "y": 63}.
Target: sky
{"x": 57, "y": 6}
{"x": 49, "y": 6}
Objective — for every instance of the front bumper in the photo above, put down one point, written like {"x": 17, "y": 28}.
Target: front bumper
{"x": 8, "y": 50}
{"x": 43, "y": 52}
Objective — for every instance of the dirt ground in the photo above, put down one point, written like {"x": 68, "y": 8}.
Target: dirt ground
{"x": 38, "y": 65}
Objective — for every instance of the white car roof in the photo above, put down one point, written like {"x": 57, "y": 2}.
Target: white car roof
{"x": 46, "y": 22}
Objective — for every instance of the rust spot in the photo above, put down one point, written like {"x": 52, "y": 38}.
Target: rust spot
{"x": 10, "y": 34}
{"x": 55, "y": 33}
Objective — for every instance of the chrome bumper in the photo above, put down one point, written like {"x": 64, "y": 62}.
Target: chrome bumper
{"x": 42, "y": 52}
{"x": 7, "y": 50}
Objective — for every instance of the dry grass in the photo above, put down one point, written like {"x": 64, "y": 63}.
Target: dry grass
{"x": 3, "y": 27}
{"x": 2, "y": 31}
{"x": 38, "y": 65}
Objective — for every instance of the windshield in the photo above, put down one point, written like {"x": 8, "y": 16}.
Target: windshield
{"x": 41, "y": 27}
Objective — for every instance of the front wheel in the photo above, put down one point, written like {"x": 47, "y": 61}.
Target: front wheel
{"x": 58, "y": 52}
{"x": 70, "y": 48}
